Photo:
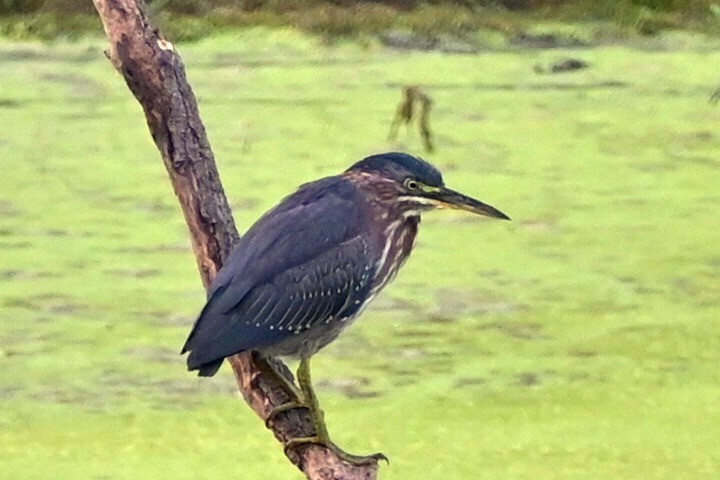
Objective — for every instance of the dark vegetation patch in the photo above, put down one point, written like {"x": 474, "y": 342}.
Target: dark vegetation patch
{"x": 403, "y": 40}
{"x": 10, "y": 103}
{"x": 62, "y": 395}
{"x": 133, "y": 273}
{"x": 350, "y": 387}
{"x": 413, "y": 333}
{"x": 526, "y": 86}
{"x": 25, "y": 341}
{"x": 153, "y": 354}
{"x": 114, "y": 385}
{"x": 546, "y": 40}
{"x": 12, "y": 274}
{"x": 224, "y": 59}
{"x": 166, "y": 318}
{"x": 515, "y": 329}
{"x": 455, "y": 303}
{"x": 470, "y": 382}
{"x": 54, "y": 304}
{"x": 160, "y": 248}
{"x": 439, "y": 318}
{"x": 563, "y": 66}
{"x": 21, "y": 54}
{"x": 407, "y": 24}
{"x": 80, "y": 85}
{"x": 528, "y": 379}
{"x": 290, "y": 101}
{"x": 8, "y": 209}
{"x": 583, "y": 353}
{"x": 9, "y": 391}
{"x": 393, "y": 304}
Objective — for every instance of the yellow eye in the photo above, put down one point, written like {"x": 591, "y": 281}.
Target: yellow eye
{"x": 412, "y": 185}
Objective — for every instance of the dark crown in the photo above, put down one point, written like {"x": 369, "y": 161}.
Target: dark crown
{"x": 398, "y": 166}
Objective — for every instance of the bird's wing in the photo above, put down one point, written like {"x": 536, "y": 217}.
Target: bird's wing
{"x": 292, "y": 270}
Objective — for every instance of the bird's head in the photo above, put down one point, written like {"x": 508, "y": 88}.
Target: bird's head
{"x": 413, "y": 185}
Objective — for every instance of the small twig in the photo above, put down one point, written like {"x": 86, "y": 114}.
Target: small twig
{"x": 405, "y": 113}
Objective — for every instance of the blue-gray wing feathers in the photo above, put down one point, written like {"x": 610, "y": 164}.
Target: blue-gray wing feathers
{"x": 304, "y": 264}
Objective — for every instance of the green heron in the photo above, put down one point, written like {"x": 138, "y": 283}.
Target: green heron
{"x": 309, "y": 267}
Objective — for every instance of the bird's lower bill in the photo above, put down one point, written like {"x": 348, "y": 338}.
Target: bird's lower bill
{"x": 447, "y": 198}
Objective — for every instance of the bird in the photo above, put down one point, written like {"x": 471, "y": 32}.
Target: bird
{"x": 309, "y": 267}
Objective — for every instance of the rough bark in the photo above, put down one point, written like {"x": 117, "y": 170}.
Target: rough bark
{"x": 155, "y": 74}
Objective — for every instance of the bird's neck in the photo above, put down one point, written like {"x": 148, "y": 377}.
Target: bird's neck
{"x": 400, "y": 237}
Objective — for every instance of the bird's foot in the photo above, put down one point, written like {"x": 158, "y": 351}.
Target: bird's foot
{"x": 306, "y": 398}
{"x": 283, "y": 377}
{"x": 340, "y": 453}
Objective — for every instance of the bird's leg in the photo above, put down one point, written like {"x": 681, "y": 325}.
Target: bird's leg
{"x": 321, "y": 434}
{"x": 269, "y": 366}
{"x": 305, "y": 383}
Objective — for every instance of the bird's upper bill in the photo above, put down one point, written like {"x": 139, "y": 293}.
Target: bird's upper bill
{"x": 442, "y": 197}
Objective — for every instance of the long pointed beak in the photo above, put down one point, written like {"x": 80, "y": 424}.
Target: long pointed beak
{"x": 447, "y": 198}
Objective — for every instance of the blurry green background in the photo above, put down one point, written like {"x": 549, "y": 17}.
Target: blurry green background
{"x": 580, "y": 341}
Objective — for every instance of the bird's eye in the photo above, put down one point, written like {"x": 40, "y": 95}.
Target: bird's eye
{"x": 411, "y": 184}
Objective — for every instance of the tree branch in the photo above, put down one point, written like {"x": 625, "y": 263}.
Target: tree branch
{"x": 155, "y": 74}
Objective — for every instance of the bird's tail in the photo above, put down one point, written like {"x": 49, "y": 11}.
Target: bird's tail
{"x": 207, "y": 369}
